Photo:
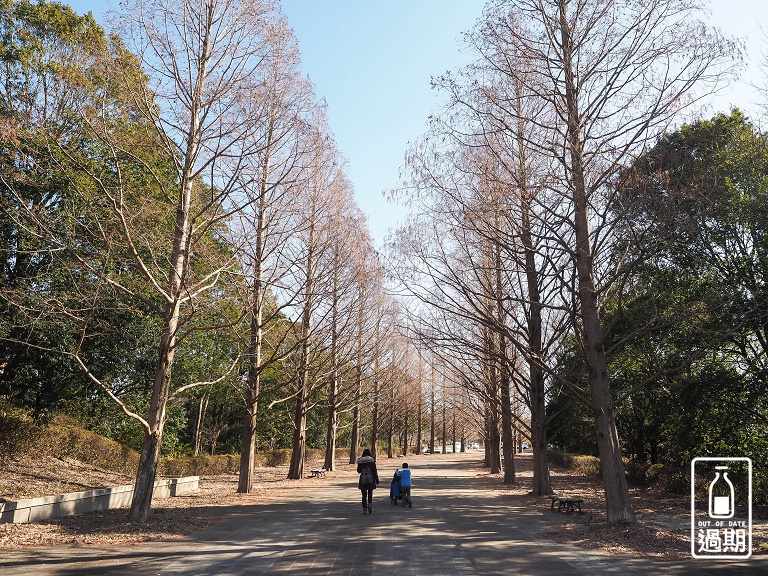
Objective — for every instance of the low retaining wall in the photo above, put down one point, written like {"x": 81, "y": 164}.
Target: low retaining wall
{"x": 36, "y": 509}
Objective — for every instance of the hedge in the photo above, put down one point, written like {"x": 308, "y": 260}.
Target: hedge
{"x": 19, "y": 435}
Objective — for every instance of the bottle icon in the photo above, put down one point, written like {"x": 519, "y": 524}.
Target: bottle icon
{"x": 721, "y": 500}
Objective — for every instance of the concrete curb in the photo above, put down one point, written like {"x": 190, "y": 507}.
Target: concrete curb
{"x": 45, "y": 507}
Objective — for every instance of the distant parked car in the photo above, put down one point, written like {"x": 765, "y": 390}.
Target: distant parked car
{"x": 525, "y": 446}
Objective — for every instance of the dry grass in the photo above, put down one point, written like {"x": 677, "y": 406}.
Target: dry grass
{"x": 31, "y": 477}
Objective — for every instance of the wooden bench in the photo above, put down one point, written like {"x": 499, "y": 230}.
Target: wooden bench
{"x": 569, "y": 503}
{"x": 317, "y": 473}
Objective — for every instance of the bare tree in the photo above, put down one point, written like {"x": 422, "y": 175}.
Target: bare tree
{"x": 488, "y": 113}
{"x": 311, "y": 271}
{"x": 266, "y": 223}
{"x": 368, "y": 291}
{"x": 612, "y": 74}
{"x": 348, "y": 250}
{"x": 155, "y": 209}
{"x": 202, "y": 59}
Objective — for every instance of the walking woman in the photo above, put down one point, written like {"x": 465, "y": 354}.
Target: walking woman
{"x": 369, "y": 477}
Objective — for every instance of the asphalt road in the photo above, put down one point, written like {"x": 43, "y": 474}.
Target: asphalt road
{"x": 454, "y": 528}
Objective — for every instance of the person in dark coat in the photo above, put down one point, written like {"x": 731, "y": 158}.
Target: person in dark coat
{"x": 369, "y": 477}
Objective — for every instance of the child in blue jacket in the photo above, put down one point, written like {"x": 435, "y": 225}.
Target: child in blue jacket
{"x": 405, "y": 485}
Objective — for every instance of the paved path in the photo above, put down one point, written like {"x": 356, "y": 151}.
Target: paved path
{"x": 455, "y": 528}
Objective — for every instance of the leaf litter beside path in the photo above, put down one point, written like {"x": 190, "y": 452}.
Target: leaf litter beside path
{"x": 662, "y": 529}
{"x": 170, "y": 518}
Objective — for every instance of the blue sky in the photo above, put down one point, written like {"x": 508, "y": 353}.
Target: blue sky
{"x": 372, "y": 62}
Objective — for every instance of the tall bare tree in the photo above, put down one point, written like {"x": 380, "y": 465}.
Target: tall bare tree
{"x": 260, "y": 231}
{"x": 348, "y": 251}
{"x": 612, "y": 74}
{"x": 155, "y": 207}
{"x": 312, "y": 272}
{"x": 202, "y": 59}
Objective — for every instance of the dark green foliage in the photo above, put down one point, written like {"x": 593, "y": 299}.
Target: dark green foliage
{"x": 59, "y": 235}
{"x": 571, "y": 422}
{"x": 688, "y": 349}
{"x": 41, "y": 42}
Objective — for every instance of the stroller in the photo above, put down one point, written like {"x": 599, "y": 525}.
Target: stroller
{"x": 394, "y": 488}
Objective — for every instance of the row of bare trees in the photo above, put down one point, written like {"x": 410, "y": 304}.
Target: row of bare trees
{"x": 514, "y": 246}
{"x": 201, "y": 218}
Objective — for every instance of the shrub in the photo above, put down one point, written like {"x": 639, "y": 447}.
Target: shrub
{"x": 279, "y": 457}
{"x": 316, "y": 456}
{"x": 663, "y": 476}
{"x": 200, "y": 465}
{"x": 560, "y": 458}
{"x": 587, "y": 465}
{"x": 282, "y": 457}
{"x": 64, "y": 440}
{"x": 16, "y": 435}
{"x": 89, "y": 448}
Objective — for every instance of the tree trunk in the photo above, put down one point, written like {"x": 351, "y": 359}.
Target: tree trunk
{"x": 150, "y": 449}
{"x": 391, "y": 426}
{"x": 333, "y": 424}
{"x": 432, "y": 422}
{"x": 248, "y": 443}
{"x": 145, "y": 478}
{"x": 419, "y": 422}
{"x": 296, "y": 469}
{"x": 507, "y": 436}
{"x": 541, "y": 479}
{"x": 376, "y": 375}
{"x": 355, "y": 435}
{"x": 504, "y": 389}
{"x": 494, "y": 451}
{"x": 453, "y": 429}
{"x": 252, "y": 391}
{"x": 494, "y": 437}
{"x": 375, "y": 414}
{"x": 444, "y": 439}
{"x": 199, "y": 425}
{"x": 617, "y": 500}
{"x": 419, "y": 408}
{"x": 333, "y": 384}
{"x": 253, "y": 381}
{"x": 487, "y": 436}
{"x": 405, "y": 433}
